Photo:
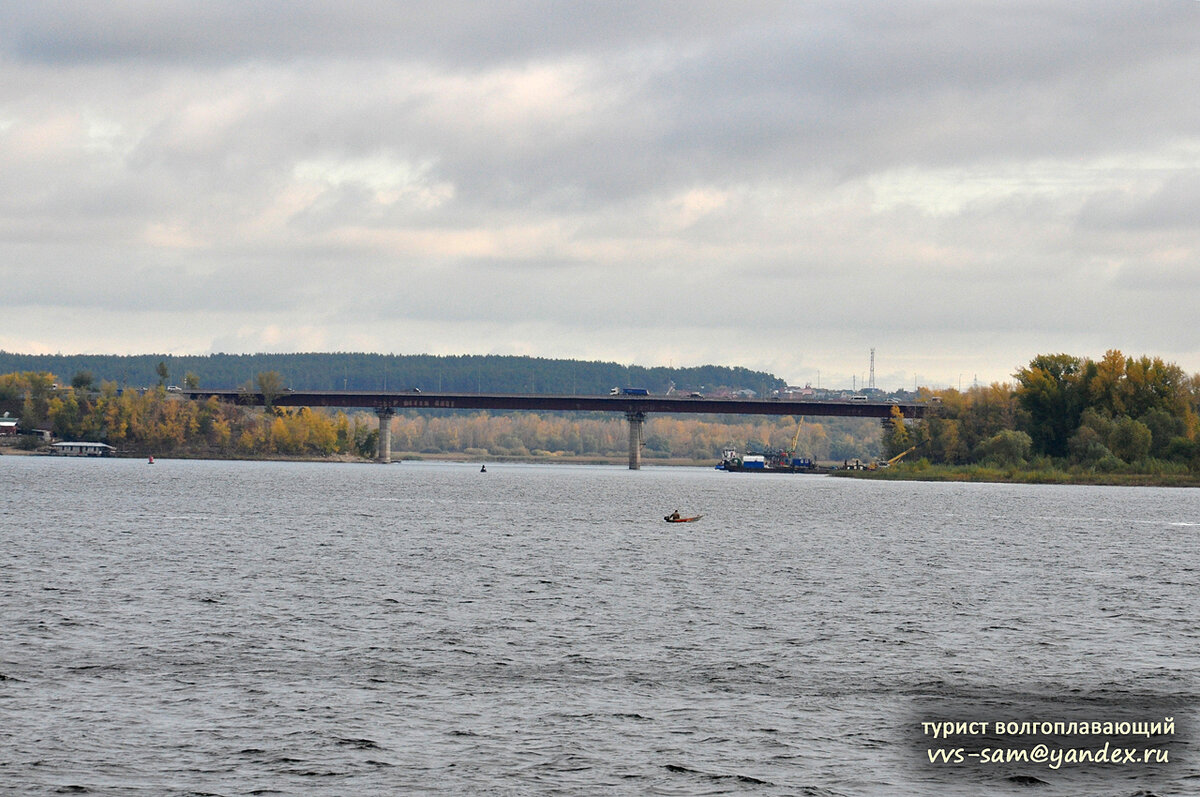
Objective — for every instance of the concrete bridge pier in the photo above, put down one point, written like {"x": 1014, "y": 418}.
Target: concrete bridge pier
{"x": 636, "y": 420}
{"x": 383, "y": 453}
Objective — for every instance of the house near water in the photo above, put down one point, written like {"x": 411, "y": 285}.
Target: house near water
{"x": 83, "y": 449}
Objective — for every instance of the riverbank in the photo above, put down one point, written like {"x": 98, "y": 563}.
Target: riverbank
{"x": 931, "y": 473}
{"x": 976, "y": 473}
{"x": 398, "y": 457}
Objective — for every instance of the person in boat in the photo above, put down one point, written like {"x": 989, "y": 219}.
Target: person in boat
{"x": 674, "y": 515}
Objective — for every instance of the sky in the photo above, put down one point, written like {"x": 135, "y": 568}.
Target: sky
{"x": 785, "y": 186}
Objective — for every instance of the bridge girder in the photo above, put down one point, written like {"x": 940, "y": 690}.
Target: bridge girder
{"x": 635, "y": 408}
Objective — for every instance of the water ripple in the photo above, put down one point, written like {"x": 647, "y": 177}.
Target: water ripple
{"x": 281, "y": 628}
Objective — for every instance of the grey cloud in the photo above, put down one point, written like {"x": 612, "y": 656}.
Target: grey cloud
{"x": 445, "y": 31}
{"x": 1174, "y": 205}
{"x": 933, "y": 169}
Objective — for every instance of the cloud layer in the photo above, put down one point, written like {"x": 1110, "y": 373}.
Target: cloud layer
{"x": 769, "y": 184}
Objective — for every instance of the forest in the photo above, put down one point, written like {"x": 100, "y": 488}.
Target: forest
{"x": 360, "y": 371}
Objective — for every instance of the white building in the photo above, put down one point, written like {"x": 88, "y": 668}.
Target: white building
{"x": 83, "y": 449}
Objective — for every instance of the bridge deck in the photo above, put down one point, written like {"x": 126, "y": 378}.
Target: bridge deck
{"x": 377, "y": 400}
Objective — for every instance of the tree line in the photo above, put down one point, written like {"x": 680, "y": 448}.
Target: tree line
{"x": 156, "y": 421}
{"x": 363, "y": 371}
{"x": 1118, "y": 413}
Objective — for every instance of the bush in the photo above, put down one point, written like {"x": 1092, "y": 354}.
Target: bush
{"x": 367, "y": 445}
{"x": 1005, "y": 449}
{"x": 1130, "y": 440}
{"x": 1106, "y": 462}
{"x": 1180, "y": 449}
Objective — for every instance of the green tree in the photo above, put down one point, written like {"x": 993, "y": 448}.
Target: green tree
{"x": 163, "y": 372}
{"x": 366, "y": 442}
{"x": 1049, "y": 391}
{"x": 39, "y": 387}
{"x": 1129, "y": 440}
{"x": 1088, "y": 444}
{"x": 271, "y": 385}
{"x": 1164, "y": 427}
{"x": 987, "y": 411}
{"x": 942, "y": 441}
{"x": 82, "y": 380}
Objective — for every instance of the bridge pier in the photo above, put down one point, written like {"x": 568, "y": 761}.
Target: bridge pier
{"x": 636, "y": 419}
{"x": 383, "y": 453}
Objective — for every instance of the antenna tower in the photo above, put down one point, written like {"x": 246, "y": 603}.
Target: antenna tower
{"x": 872, "y": 368}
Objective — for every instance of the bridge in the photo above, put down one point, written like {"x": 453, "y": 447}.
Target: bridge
{"x": 634, "y": 407}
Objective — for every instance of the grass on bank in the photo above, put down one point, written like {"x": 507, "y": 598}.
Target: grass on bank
{"x": 1152, "y": 473}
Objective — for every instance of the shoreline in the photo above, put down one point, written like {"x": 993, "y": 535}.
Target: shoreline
{"x": 965, "y": 473}
{"x": 1016, "y": 476}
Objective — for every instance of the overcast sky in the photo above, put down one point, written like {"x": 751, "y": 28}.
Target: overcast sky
{"x": 778, "y": 185}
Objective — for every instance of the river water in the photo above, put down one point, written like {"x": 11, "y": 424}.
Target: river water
{"x": 193, "y": 627}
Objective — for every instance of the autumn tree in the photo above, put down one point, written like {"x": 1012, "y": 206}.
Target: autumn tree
{"x": 896, "y": 436}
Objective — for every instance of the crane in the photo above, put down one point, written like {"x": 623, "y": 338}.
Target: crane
{"x": 898, "y": 457}
{"x": 796, "y": 437}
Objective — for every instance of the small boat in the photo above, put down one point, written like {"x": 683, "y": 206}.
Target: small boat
{"x": 675, "y": 518}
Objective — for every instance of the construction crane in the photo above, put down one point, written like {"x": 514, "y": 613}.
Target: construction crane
{"x": 796, "y": 437}
{"x": 898, "y": 457}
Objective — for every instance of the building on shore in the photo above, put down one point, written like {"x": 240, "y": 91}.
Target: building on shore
{"x": 83, "y": 449}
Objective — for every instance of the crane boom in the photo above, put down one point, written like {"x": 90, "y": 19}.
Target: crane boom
{"x": 796, "y": 436}
{"x": 900, "y": 456}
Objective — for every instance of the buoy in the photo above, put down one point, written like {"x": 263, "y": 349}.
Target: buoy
{"x": 483, "y": 469}
{"x": 151, "y": 461}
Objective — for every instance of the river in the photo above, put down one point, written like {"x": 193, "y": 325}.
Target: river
{"x": 199, "y": 627}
